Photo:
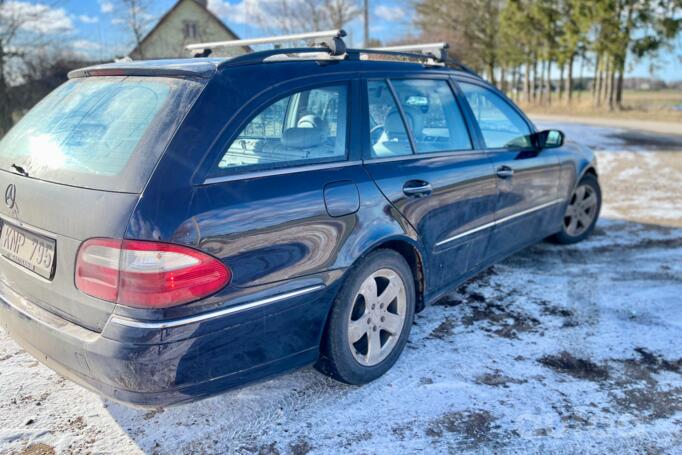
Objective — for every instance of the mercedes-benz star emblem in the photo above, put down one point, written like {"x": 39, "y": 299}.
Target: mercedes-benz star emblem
{"x": 10, "y": 195}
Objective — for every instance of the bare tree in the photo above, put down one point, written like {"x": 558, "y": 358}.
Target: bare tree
{"x": 473, "y": 25}
{"x": 135, "y": 17}
{"x": 341, "y": 12}
{"x": 292, "y": 16}
{"x": 5, "y": 112}
{"x": 25, "y": 30}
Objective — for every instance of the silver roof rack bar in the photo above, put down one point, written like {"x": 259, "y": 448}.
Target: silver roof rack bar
{"x": 436, "y": 51}
{"x": 329, "y": 39}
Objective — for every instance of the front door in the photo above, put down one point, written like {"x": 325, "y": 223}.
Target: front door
{"x": 529, "y": 203}
{"x": 422, "y": 158}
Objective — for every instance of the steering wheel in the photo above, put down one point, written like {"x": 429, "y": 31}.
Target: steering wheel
{"x": 375, "y": 133}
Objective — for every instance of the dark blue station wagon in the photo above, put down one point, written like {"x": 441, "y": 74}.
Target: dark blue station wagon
{"x": 172, "y": 229}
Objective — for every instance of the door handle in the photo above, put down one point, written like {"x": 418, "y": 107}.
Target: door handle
{"x": 417, "y": 188}
{"x": 504, "y": 172}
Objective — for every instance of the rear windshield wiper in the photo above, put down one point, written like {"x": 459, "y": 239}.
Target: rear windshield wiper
{"x": 20, "y": 170}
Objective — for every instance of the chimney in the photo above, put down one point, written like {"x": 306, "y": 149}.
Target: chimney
{"x": 203, "y": 3}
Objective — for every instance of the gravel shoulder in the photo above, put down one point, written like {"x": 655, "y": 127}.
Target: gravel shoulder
{"x": 555, "y": 350}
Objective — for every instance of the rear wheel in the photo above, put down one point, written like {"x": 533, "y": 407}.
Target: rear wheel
{"x": 371, "y": 319}
{"x": 582, "y": 211}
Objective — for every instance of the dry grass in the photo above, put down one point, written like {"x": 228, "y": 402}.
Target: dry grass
{"x": 663, "y": 105}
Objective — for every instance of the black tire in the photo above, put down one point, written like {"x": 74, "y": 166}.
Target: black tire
{"x": 337, "y": 360}
{"x": 564, "y": 237}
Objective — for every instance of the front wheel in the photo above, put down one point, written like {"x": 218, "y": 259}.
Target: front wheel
{"x": 582, "y": 211}
{"x": 371, "y": 319}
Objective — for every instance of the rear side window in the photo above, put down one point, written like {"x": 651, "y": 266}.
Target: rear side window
{"x": 308, "y": 126}
{"x": 100, "y": 132}
{"x": 433, "y": 115}
{"x": 387, "y": 130}
{"x": 501, "y": 126}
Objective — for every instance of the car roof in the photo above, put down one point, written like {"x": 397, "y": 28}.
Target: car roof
{"x": 186, "y": 67}
{"x": 206, "y": 67}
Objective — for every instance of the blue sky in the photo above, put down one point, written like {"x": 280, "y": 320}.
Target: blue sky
{"x": 95, "y": 32}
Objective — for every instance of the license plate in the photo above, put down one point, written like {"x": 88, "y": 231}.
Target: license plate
{"x": 32, "y": 251}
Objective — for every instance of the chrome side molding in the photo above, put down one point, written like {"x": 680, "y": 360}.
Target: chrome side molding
{"x": 500, "y": 221}
{"x": 158, "y": 325}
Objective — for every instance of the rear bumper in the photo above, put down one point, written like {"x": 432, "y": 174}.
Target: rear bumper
{"x": 156, "y": 364}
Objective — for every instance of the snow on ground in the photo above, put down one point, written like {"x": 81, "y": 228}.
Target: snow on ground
{"x": 555, "y": 350}
{"x": 643, "y": 172}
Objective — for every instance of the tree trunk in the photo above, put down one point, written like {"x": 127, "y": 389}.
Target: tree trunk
{"x": 543, "y": 67}
{"x": 561, "y": 83}
{"x": 607, "y": 82}
{"x": 629, "y": 24}
{"x": 491, "y": 73}
{"x": 596, "y": 81}
{"x": 612, "y": 87}
{"x": 602, "y": 82}
{"x": 549, "y": 82}
{"x": 526, "y": 83}
{"x": 619, "y": 84}
{"x": 603, "y": 93}
{"x": 569, "y": 79}
{"x": 580, "y": 76}
{"x": 535, "y": 79}
{"x": 5, "y": 105}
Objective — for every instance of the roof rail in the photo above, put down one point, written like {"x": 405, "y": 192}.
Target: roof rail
{"x": 434, "y": 51}
{"x": 330, "y": 40}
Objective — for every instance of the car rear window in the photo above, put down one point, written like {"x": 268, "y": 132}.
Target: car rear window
{"x": 96, "y": 132}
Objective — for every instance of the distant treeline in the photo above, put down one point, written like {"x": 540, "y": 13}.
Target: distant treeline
{"x": 523, "y": 43}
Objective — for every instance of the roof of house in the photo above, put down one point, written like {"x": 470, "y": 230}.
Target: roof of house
{"x": 165, "y": 17}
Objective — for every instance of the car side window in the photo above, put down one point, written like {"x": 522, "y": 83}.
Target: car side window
{"x": 388, "y": 134}
{"x": 501, "y": 126}
{"x": 308, "y": 126}
{"x": 433, "y": 115}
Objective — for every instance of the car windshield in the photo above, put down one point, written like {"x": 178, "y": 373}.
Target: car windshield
{"x": 90, "y": 129}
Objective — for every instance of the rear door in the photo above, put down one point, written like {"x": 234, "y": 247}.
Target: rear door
{"x": 528, "y": 179}
{"x": 421, "y": 155}
{"x": 73, "y": 168}
{"x": 283, "y": 191}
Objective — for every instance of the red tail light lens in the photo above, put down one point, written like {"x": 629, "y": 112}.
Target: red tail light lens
{"x": 147, "y": 274}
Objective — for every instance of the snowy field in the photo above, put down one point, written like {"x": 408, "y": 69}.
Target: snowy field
{"x": 555, "y": 350}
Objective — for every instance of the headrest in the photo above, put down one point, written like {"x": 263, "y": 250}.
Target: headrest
{"x": 413, "y": 116}
{"x": 311, "y": 121}
{"x": 302, "y": 138}
{"x": 393, "y": 124}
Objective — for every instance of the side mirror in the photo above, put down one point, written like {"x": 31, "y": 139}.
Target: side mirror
{"x": 548, "y": 139}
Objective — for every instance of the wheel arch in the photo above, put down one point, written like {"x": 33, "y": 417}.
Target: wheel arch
{"x": 411, "y": 253}
{"x": 410, "y": 250}
{"x": 591, "y": 170}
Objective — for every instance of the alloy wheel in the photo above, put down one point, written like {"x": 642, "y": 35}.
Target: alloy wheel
{"x": 581, "y": 210}
{"x": 377, "y": 317}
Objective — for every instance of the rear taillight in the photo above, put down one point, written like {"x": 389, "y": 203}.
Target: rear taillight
{"x": 147, "y": 274}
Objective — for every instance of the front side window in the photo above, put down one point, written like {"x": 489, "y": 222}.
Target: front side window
{"x": 433, "y": 115}
{"x": 388, "y": 134}
{"x": 306, "y": 126}
{"x": 501, "y": 126}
